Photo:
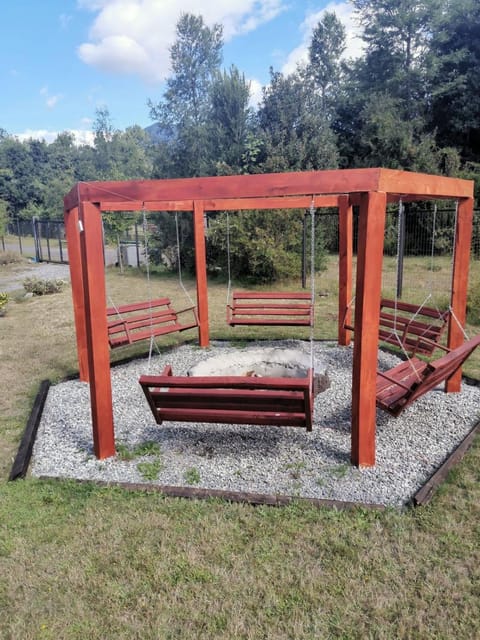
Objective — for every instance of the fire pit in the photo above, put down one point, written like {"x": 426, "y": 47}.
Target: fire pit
{"x": 264, "y": 362}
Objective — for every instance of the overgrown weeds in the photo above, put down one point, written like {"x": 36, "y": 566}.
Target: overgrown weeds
{"x": 43, "y": 286}
{"x": 10, "y": 257}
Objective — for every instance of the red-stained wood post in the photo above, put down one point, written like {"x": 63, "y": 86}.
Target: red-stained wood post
{"x": 75, "y": 263}
{"x": 371, "y": 230}
{"x": 345, "y": 261}
{"x": 201, "y": 271}
{"x": 461, "y": 264}
{"x": 93, "y": 270}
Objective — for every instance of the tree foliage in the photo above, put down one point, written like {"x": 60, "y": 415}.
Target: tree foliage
{"x": 183, "y": 114}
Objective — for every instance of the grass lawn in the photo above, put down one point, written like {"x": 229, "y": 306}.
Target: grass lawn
{"x": 79, "y": 561}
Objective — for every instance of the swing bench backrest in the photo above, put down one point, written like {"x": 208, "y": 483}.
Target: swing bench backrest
{"x": 270, "y": 308}
{"x": 138, "y": 321}
{"x": 415, "y": 329}
{"x": 419, "y": 328}
{"x": 230, "y": 400}
{"x": 401, "y": 386}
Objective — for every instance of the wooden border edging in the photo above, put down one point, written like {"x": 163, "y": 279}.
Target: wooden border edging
{"x": 197, "y": 493}
{"x": 24, "y": 453}
{"x": 425, "y": 494}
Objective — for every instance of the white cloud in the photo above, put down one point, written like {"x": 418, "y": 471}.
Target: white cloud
{"x": 64, "y": 20}
{"x": 344, "y": 12}
{"x": 50, "y": 100}
{"x": 255, "y": 92}
{"x": 82, "y": 136}
{"x": 134, "y": 36}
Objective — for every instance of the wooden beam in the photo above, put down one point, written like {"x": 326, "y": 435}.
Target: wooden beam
{"x": 286, "y": 202}
{"x": 458, "y": 301}
{"x": 201, "y": 274}
{"x": 367, "y": 314}
{"x": 210, "y": 188}
{"x": 421, "y": 184}
{"x": 306, "y": 183}
{"x": 76, "y": 276}
{"x": 223, "y": 204}
{"x": 91, "y": 243}
{"x": 345, "y": 262}
{"x": 137, "y": 205}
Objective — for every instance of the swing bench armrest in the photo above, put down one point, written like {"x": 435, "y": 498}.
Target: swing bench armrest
{"x": 193, "y": 309}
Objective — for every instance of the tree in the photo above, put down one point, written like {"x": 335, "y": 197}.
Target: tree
{"x": 397, "y": 34}
{"x": 230, "y": 121}
{"x": 295, "y": 129}
{"x": 184, "y": 111}
{"x": 104, "y": 132}
{"x": 388, "y": 141}
{"x": 325, "y": 52}
{"x": 3, "y": 217}
{"x": 456, "y": 85}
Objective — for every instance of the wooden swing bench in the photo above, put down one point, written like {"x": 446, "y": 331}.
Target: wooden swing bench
{"x": 399, "y": 387}
{"x": 270, "y": 308}
{"x": 138, "y": 321}
{"x": 416, "y": 329}
{"x": 230, "y": 399}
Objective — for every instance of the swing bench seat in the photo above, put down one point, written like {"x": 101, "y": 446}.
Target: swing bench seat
{"x": 230, "y": 399}
{"x": 138, "y": 321}
{"x": 270, "y": 308}
{"x": 399, "y": 387}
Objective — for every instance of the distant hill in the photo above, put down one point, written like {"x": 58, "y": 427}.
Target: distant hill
{"x": 157, "y": 133}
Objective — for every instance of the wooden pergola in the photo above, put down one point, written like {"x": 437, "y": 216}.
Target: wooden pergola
{"x": 369, "y": 189}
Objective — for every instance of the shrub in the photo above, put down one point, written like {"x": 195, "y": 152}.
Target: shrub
{"x": 3, "y": 303}
{"x": 473, "y": 302}
{"x": 42, "y": 287}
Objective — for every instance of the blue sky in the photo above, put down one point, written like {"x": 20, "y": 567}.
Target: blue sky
{"x": 62, "y": 59}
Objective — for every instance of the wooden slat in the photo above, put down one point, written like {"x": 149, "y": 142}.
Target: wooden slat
{"x": 271, "y": 295}
{"x": 257, "y": 308}
{"x": 230, "y": 399}
{"x": 129, "y": 326}
{"x": 234, "y": 417}
{"x": 399, "y": 387}
{"x": 423, "y": 310}
{"x": 138, "y": 306}
{"x": 405, "y": 327}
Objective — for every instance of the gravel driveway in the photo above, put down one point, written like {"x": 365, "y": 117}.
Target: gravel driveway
{"x": 13, "y": 280}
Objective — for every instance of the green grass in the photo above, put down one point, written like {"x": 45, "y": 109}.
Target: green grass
{"x": 79, "y": 561}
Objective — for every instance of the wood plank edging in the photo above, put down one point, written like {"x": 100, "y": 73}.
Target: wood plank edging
{"x": 24, "y": 453}
{"x": 426, "y": 493}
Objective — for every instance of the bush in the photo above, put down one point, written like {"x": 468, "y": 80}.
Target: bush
{"x": 41, "y": 287}
{"x": 473, "y": 302}
{"x": 3, "y": 303}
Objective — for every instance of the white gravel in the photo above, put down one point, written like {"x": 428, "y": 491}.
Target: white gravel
{"x": 268, "y": 460}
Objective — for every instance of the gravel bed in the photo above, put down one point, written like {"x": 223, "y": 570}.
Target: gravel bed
{"x": 269, "y": 460}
